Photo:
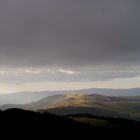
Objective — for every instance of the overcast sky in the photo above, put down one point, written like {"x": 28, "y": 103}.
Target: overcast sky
{"x": 68, "y": 41}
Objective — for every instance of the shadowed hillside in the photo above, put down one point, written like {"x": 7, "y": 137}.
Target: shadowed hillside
{"x": 21, "y": 123}
{"x": 29, "y": 119}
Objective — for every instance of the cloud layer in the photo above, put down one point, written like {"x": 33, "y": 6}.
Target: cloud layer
{"x": 70, "y": 33}
{"x": 69, "y": 40}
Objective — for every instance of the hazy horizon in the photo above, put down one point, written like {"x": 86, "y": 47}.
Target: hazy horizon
{"x": 67, "y": 90}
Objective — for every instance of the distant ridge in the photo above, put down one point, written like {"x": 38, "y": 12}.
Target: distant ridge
{"x": 113, "y": 92}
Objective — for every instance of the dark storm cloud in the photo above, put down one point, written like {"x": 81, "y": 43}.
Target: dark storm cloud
{"x": 69, "y": 32}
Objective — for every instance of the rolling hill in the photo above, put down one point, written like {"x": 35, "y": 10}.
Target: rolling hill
{"x": 75, "y": 102}
{"x": 126, "y": 107}
{"x": 27, "y": 97}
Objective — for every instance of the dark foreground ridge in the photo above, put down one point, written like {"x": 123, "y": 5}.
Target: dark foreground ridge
{"x": 46, "y": 123}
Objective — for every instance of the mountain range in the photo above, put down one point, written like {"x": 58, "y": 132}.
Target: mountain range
{"x": 79, "y": 103}
{"x": 25, "y": 97}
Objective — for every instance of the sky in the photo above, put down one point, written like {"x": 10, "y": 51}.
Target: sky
{"x": 69, "y": 44}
